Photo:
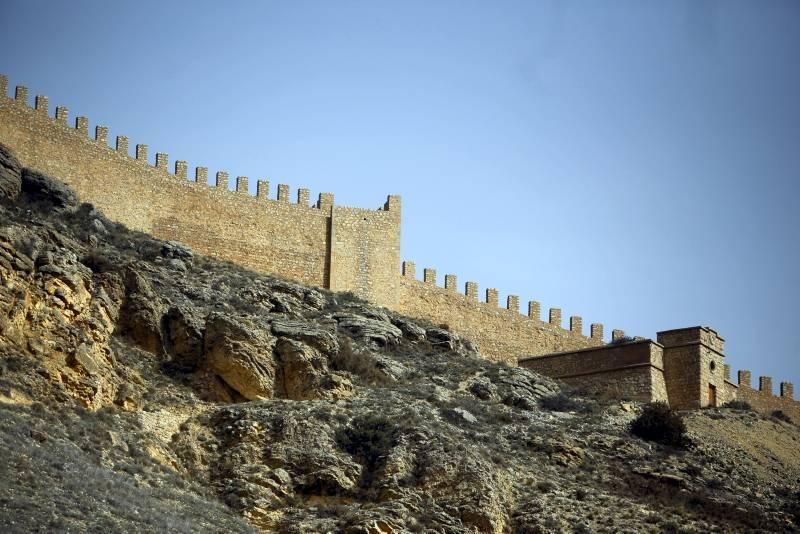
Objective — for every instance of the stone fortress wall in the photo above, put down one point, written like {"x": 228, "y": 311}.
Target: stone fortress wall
{"x": 323, "y": 244}
{"x": 352, "y": 249}
{"x": 685, "y": 367}
{"x": 501, "y": 333}
{"x": 633, "y": 370}
{"x": 764, "y": 398}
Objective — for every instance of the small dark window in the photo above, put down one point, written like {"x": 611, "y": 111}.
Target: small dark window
{"x": 712, "y": 366}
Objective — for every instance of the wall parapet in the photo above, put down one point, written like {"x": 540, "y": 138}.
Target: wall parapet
{"x": 512, "y": 304}
{"x": 41, "y": 105}
{"x": 632, "y": 370}
{"x": 322, "y": 244}
{"x": 763, "y": 398}
{"x": 785, "y": 389}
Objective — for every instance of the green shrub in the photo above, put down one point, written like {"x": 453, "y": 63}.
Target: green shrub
{"x": 738, "y": 405}
{"x": 545, "y": 486}
{"x": 659, "y": 423}
{"x": 369, "y": 439}
{"x": 561, "y": 402}
{"x": 100, "y": 260}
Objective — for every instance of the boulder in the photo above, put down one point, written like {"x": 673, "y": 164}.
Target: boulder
{"x": 97, "y": 226}
{"x": 380, "y": 332}
{"x": 464, "y": 415}
{"x": 289, "y": 288}
{"x": 519, "y": 387}
{"x": 284, "y": 303}
{"x": 314, "y": 299}
{"x": 446, "y": 340}
{"x": 483, "y": 388}
{"x": 310, "y": 333}
{"x": 305, "y": 373}
{"x": 441, "y": 338}
{"x": 176, "y": 250}
{"x": 410, "y": 330}
{"x": 240, "y": 353}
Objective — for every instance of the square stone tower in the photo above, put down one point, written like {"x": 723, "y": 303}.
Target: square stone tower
{"x": 694, "y": 367}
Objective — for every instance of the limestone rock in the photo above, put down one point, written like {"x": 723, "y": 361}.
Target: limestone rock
{"x": 439, "y": 337}
{"x": 390, "y": 368}
{"x": 368, "y": 312}
{"x": 141, "y": 313}
{"x": 519, "y": 388}
{"x": 410, "y": 330}
{"x": 310, "y": 333}
{"x": 462, "y": 414}
{"x": 483, "y": 388}
{"x": 284, "y": 303}
{"x": 183, "y": 337}
{"x": 241, "y": 355}
{"x": 40, "y": 189}
{"x": 98, "y": 226}
{"x": 255, "y": 490}
{"x": 177, "y": 265}
{"x": 446, "y": 340}
{"x": 422, "y": 441}
{"x": 176, "y": 250}
{"x": 381, "y": 332}
{"x": 289, "y": 288}
{"x": 10, "y": 175}
{"x": 314, "y": 299}
{"x": 305, "y": 374}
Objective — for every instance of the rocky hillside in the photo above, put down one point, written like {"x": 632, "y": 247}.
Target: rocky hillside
{"x": 144, "y": 388}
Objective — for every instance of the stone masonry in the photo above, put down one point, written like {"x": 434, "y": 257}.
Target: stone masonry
{"x": 633, "y": 370}
{"x": 323, "y": 245}
{"x": 685, "y": 367}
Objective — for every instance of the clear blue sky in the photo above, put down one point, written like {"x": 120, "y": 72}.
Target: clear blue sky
{"x": 635, "y": 163}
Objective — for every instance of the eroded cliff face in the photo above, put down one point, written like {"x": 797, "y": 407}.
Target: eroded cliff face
{"x": 144, "y": 387}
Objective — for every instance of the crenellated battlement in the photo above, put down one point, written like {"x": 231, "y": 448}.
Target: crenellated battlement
{"x": 764, "y": 398}
{"x": 492, "y": 300}
{"x": 317, "y": 243}
{"x": 501, "y": 332}
{"x": 744, "y": 380}
{"x": 277, "y": 230}
{"x": 141, "y": 153}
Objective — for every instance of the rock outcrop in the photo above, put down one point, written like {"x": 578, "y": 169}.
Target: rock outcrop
{"x": 10, "y": 175}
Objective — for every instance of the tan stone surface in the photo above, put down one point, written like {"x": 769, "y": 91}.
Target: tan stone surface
{"x": 628, "y": 370}
{"x": 767, "y": 402}
{"x": 501, "y": 334}
{"x": 694, "y": 360}
{"x": 283, "y": 238}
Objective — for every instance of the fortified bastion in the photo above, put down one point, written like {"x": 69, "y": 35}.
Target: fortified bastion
{"x": 347, "y": 249}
